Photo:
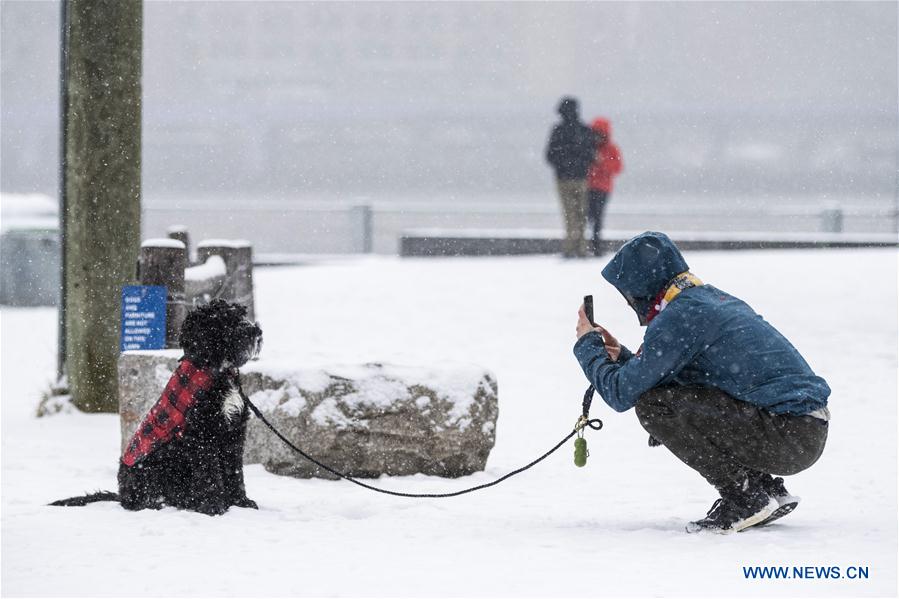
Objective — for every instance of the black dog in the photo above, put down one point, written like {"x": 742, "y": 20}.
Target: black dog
{"x": 188, "y": 451}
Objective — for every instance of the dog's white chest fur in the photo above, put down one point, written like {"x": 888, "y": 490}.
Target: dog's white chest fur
{"x": 232, "y": 405}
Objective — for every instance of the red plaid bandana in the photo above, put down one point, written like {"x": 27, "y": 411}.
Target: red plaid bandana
{"x": 167, "y": 416}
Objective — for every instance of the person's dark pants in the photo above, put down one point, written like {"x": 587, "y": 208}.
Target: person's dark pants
{"x": 596, "y": 208}
{"x": 727, "y": 440}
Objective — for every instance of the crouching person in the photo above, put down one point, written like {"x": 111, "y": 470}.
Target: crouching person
{"x": 713, "y": 382}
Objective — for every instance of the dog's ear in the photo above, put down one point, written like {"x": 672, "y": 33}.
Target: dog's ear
{"x": 189, "y": 336}
{"x": 201, "y": 332}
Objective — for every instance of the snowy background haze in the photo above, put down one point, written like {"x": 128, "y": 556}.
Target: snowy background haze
{"x": 434, "y": 111}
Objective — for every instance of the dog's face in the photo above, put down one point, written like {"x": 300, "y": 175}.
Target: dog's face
{"x": 219, "y": 334}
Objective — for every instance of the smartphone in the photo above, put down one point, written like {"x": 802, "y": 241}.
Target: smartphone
{"x": 588, "y": 308}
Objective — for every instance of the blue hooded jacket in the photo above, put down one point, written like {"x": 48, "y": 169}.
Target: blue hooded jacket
{"x": 704, "y": 337}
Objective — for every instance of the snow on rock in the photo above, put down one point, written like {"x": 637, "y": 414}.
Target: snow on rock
{"x": 364, "y": 420}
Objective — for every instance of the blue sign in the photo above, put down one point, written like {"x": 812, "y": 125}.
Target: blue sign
{"x": 143, "y": 317}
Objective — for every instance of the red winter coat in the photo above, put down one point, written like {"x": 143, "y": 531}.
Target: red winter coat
{"x": 607, "y": 162}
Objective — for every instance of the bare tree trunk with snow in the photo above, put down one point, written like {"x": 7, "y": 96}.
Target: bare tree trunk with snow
{"x": 102, "y": 181}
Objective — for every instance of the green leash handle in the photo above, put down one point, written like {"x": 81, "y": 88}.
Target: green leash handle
{"x": 580, "y": 444}
{"x": 580, "y": 452}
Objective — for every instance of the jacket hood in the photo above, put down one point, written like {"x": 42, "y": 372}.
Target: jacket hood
{"x": 603, "y": 127}
{"x": 642, "y": 268}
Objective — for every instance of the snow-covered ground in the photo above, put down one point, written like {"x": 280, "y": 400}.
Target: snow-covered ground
{"x": 612, "y": 528}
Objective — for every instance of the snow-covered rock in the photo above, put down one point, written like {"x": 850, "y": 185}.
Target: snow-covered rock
{"x": 364, "y": 420}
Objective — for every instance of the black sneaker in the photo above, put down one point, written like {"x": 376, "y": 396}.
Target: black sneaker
{"x": 786, "y": 503}
{"x": 736, "y": 511}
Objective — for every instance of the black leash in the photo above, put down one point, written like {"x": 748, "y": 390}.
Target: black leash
{"x": 582, "y": 422}
{"x": 585, "y": 405}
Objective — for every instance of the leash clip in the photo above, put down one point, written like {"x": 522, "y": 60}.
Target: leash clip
{"x": 585, "y": 422}
{"x": 582, "y": 421}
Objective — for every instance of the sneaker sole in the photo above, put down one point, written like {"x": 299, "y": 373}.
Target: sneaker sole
{"x": 780, "y": 512}
{"x": 761, "y": 516}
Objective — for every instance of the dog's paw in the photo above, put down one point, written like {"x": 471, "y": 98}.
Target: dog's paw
{"x": 212, "y": 508}
{"x": 246, "y": 502}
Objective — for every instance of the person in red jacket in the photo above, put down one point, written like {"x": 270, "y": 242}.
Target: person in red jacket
{"x": 606, "y": 165}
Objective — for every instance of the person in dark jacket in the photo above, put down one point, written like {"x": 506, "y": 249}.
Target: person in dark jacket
{"x": 713, "y": 382}
{"x": 606, "y": 166}
{"x": 570, "y": 152}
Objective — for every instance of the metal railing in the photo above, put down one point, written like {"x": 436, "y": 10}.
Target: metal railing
{"x": 340, "y": 227}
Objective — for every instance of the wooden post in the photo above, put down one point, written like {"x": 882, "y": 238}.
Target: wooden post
{"x": 162, "y": 262}
{"x": 180, "y": 233}
{"x": 238, "y": 257}
{"x": 203, "y": 281}
{"x": 101, "y": 188}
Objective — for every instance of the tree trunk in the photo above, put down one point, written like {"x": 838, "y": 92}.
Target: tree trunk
{"x": 102, "y": 182}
